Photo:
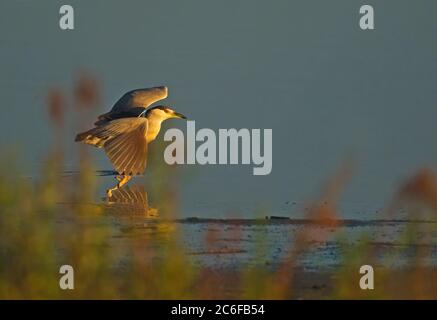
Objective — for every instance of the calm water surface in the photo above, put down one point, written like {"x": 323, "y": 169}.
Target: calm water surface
{"x": 302, "y": 68}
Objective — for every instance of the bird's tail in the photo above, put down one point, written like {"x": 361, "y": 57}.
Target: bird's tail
{"x": 92, "y": 137}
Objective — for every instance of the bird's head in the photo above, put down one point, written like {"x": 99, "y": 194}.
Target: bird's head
{"x": 164, "y": 113}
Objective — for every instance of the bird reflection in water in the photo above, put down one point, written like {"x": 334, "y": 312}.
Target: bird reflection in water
{"x": 132, "y": 201}
{"x": 130, "y": 205}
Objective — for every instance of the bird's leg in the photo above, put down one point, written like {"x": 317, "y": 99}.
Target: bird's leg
{"x": 122, "y": 180}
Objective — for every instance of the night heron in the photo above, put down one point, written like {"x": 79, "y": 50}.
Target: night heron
{"x": 125, "y": 131}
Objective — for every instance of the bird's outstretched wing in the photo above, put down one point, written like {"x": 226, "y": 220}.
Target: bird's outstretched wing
{"x": 128, "y": 150}
{"x": 124, "y": 141}
{"x": 132, "y": 103}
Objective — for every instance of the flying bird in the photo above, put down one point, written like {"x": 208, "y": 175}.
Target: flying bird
{"x": 125, "y": 131}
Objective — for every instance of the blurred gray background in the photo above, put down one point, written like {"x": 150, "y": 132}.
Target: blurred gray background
{"x": 301, "y": 67}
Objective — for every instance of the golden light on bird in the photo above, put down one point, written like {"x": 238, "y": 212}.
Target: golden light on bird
{"x": 125, "y": 131}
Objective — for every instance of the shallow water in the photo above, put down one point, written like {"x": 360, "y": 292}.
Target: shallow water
{"x": 235, "y": 242}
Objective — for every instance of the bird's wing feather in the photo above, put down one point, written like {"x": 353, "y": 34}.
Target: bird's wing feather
{"x": 127, "y": 150}
{"x": 135, "y": 99}
{"x": 109, "y": 116}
